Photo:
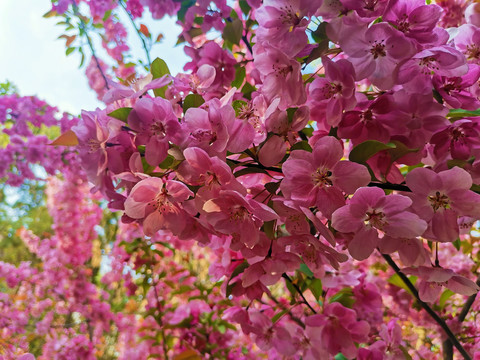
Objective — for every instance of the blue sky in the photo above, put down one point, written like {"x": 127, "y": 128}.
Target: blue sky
{"x": 34, "y": 60}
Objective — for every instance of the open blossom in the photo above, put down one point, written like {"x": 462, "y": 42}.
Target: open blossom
{"x": 319, "y": 178}
{"x": 159, "y": 204}
{"x": 231, "y": 213}
{"x": 376, "y": 53}
{"x": 415, "y": 19}
{"x": 416, "y": 73}
{"x": 467, "y": 41}
{"x": 283, "y": 23}
{"x": 337, "y": 330}
{"x": 458, "y": 139}
{"x": 208, "y": 126}
{"x": 156, "y": 125}
{"x": 280, "y": 75}
{"x": 370, "y": 211}
{"x": 440, "y": 198}
{"x": 432, "y": 279}
{"x": 334, "y": 93}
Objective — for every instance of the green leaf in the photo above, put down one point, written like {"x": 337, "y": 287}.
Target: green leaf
{"x": 457, "y": 244}
{"x": 301, "y": 145}
{"x": 279, "y": 315}
{"x": 455, "y": 114}
{"x": 400, "y": 150}
{"x": 304, "y": 268}
{"x": 316, "y": 288}
{"x": 320, "y": 34}
{"x": 192, "y": 100}
{"x": 165, "y": 164}
{"x": 186, "y": 4}
{"x": 159, "y": 68}
{"x": 233, "y": 31}
{"x": 447, "y": 294}
{"x": 364, "y": 151}
{"x": 340, "y": 356}
{"x": 121, "y": 113}
{"x": 247, "y": 90}
{"x": 244, "y": 7}
{"x": 237, "y": 105}
{"x": 397, "y": 281}
{"x": 344, "y": 297}
{"x": 239, "y": 77}
{"x": 69, "y": 50}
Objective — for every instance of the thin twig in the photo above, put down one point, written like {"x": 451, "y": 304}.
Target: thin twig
{"x": 427, "y": 308}
{"x": 285, "y": 276}
{"x": 447, "y": 345}
{"x": 90, "y": 44}
{"x": 147, "y": 53}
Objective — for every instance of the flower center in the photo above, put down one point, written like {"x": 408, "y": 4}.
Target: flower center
{"x": 378, "y": 49}
{"x": 321, "y": 177}
{"x": 289, "y": 16}
{"x": 239, "y": 213}
{"x": 158, "y": 129}
{"x": 93, "y": 145}
{"x": 473, "y": 52}
{"x": 439, "y": 200}
{"x": 375, "y": 219}
{"x": 205, "y": 136}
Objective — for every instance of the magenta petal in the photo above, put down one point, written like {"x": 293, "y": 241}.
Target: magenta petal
{"x": 343, "y": 221}
{"x": 429, "y": 291}
{"x": 444, "y": 226}
{"x": 349, "y": 176}
{"x": 422, "y": 180}
{"x": 156, "y": 151}
{"x": 405, "y": 225}
{"x": 152, "y": 223}
{"x": 462, "y": 285}
{"x": 456, "y": 178}
{"x": 273, "y": 151}
{"x": 363, "y": 243}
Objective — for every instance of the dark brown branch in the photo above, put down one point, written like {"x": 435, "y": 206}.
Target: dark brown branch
{"x": 285, "y": 276}
{"x": 427, "y": 308}
{"x": 447, "y": 345}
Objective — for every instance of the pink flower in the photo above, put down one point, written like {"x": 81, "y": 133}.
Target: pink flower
{"x": 320, "y": 178}
{"x": 209, "y": 126}
{"x": 159, "y": 204}
{"x": 468, "y": 42}
{"x": 416, "y": 73}
{"x": 283, "y": 22}
{"x": 281, "y": 76}
{"x": 156, "y": 125}
{"x": 458, "y": 140}
{"x": 415, "y": 19}
{"x": 456, "y": 90}
{"x": 231, "y": 213}
{"x": 376, "y": 52}
{"x": 369, "y": 211}
{"x": 334, "y": 93}
{"x": 432, "y": 279}
{"x": 439, "y": 198}
{"x": 337, "y": 330}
